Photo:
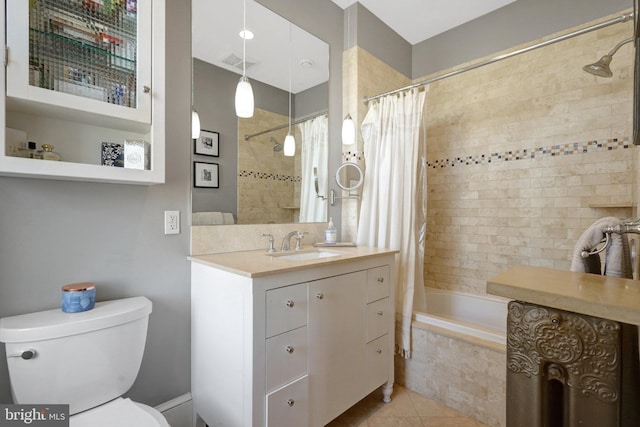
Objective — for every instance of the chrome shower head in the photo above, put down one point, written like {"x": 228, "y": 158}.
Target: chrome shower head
{"x": 601, "y": 68}
{"x": 277, "y": 147}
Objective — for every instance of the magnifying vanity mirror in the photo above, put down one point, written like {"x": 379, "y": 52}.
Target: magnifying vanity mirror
{"x": 349, "y": 177}
{"x": 257, "y": 183}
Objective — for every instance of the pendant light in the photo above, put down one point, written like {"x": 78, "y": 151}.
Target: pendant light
{"x": 289, "y": 141}
{"x": 244, "y": 92}
{"x": 348, "y": 126}
{"x": 195, "y": 123}
{"x": 195, "y": 117}
{"x": 348, "y": 131}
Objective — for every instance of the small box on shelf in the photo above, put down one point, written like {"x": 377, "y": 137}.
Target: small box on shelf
{"x": 136, "y": 154}
{"x": 112, "y": 154}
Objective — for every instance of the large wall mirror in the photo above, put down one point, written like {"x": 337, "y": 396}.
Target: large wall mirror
{"x": 256, "y": 182}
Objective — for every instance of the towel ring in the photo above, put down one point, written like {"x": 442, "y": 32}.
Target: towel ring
{"x": 594, "y": 251}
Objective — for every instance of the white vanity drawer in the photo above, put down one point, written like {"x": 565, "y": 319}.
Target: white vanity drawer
{"x": 378, "y": 283}
{"x": 286, "y": 357}
{"x": 289, "y": 406}
{"x": 378, "y": 319}
{"x": 286, "y": 309}
{"x": 377, "y": 362}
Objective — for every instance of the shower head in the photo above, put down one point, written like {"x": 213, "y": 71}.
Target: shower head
{"x": 601, "y": 68}
{"x": 277, "y": 147}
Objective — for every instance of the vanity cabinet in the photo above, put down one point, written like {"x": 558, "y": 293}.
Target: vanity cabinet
{"x": 80, "y": 73}
{"x": 294, "y": 348}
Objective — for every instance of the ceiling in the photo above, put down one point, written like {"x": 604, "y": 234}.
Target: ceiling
{"x": 217, "y": 24}
{"x": 418, "y": 20}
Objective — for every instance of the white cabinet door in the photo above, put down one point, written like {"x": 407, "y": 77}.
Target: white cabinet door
{"x": 336, "y": 327}
{"x": 82, "y": 59}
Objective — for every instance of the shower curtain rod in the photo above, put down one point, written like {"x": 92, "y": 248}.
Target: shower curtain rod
{"x": 300, "y": 120}
{"x": 622, "y": 18}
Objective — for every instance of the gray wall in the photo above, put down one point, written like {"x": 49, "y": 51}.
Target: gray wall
{"x": 364, "y": 29}
{"x": 213, "y": 97}
{"x": 519, "y": 22}
{"x": 214, "y": 92}
{"x": 57, "y": 232}
{"x": 323, "y": 19}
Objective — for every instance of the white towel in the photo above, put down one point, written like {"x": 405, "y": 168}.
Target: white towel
{"x": 227, "y": 218}
{"x": 617, "y": 261}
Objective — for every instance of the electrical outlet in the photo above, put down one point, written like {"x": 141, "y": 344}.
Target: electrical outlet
{"x": 171, "y": 222}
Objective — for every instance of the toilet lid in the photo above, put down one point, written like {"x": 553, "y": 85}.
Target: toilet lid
{"x": 119, "y": 412}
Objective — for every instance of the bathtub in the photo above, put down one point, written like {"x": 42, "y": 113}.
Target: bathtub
{"x": 481, "y": 317}
{"x": 458, "y": 355}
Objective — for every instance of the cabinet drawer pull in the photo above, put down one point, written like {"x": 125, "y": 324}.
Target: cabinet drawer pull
{"x": 146, "y": 89}
{"x": 379, "y": 313}
{"x": 288, "y": 349}
{"x": 291, "y": 402}
{"x": 380, "y": 279}
{"x": 289, "y": 303}
{"x": 379, "y": 351}
{"x": 319, "y": 295}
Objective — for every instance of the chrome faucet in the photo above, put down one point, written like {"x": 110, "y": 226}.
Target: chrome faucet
{"x": 271, "y": 249}
{"x": 286, "y": 242}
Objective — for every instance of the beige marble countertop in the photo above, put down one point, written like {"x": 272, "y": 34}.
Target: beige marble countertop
{"x": 591, "y": 294}
{"x": 260, "y": 263}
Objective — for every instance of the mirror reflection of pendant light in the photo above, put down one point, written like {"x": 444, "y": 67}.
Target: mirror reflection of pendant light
{"x": 244, "y": 92}
{"x": 289, "y": 141}
{"x": 348, "y": 126}
{"x": 195, "y": 117}
{"x": 195, "y": 124}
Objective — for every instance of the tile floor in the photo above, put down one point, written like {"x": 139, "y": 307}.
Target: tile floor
{"x": 406, "y": 409}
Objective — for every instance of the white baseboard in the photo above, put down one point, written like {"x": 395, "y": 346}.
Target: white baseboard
{"x": 178, "y": 411}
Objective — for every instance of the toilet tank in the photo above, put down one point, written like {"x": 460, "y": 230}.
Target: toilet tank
{"x": 81, "y": 359}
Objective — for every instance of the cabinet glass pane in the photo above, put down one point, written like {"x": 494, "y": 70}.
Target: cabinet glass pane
{"x": 85, "y": 48}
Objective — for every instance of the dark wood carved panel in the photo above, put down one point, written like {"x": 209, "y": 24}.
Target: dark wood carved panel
{"x": 580, "y": 351}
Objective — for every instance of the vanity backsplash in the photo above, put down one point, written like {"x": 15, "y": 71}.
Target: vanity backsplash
{"x": 246, "y": 237}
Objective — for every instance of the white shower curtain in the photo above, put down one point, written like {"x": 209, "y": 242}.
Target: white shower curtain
{"x": 392, "y": 213}
{"x": 314, "y": 158}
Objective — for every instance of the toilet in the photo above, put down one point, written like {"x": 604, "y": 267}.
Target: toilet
{"x": 87, "y": 360}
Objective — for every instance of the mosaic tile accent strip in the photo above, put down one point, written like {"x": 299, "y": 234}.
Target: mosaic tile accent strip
{"x": 352, "y": 156}
{"x": 269, "y": 176}
{"x": 549, "y": 151}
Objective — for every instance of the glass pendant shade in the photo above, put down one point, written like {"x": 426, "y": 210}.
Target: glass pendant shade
{"x": 289, "y": 146}
{"x": 348, "y": 131}
{"x": 195, "y": 124}
{"x": 244, "y": 98}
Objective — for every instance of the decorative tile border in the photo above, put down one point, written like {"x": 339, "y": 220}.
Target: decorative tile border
{"x": 549, "y": 151}
{"x": 269, "y": 176}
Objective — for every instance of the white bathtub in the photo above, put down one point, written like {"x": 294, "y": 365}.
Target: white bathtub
{"x": 476, "y": 316}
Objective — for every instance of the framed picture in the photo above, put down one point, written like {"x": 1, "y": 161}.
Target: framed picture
{"x": 205, "y": 175}
{"x": 208, "y": 144}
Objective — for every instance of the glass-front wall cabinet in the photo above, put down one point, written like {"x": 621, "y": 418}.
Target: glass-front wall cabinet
{"x": 80, "y": 84}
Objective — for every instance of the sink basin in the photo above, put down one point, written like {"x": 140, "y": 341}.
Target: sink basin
{"x": 301, "y": 256}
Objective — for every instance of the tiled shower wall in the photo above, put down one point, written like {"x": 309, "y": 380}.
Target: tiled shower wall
{"x": 523, "y": 155}
{"x": 268, "y": 182}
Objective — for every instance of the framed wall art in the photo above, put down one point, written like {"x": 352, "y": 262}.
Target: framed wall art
{"x": 208, "y": 144}
{"x": 206, "y": 175}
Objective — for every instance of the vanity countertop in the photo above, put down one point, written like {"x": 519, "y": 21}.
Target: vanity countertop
{"x": 600, "y": 296}
{"x": 259, "y": 263}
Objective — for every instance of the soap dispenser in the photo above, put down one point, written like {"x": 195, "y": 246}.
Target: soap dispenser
{"x": 330, "y": 234}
